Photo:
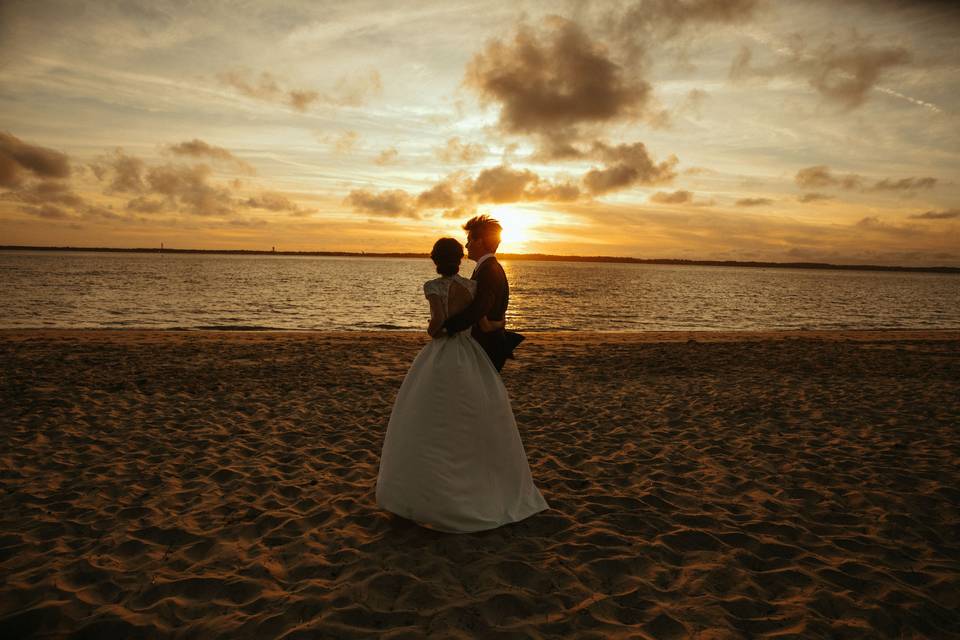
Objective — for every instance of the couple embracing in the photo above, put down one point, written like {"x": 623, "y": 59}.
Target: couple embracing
{"x": 452, "y": 457}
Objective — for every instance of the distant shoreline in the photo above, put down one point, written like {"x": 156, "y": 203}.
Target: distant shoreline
{"x": 507, "y": 256}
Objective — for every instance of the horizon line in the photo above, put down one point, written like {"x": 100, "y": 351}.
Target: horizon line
{"x": 507, "y": 256}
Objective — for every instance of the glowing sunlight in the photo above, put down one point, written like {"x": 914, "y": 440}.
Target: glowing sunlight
{"x": 519, "y": 228}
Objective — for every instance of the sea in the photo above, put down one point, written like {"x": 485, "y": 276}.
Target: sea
{"x": 106, "y": 290}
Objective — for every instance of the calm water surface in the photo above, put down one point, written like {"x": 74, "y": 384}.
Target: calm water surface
{"x": 112, "y": 290}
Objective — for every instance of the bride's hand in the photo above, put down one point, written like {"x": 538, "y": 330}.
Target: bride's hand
{"x": 487, "y": 325}
{"x": 435, "y": 329}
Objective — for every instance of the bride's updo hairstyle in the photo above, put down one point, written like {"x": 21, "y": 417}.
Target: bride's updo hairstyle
{"x": 447, "y": 254}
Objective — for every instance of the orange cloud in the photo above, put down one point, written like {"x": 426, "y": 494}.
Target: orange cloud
{"x": 753, "y": 202}
{"x": 814, "y": 197}
{"x": 677, "y": 197}
{"x": 272, "y": 201}
{"x": 188, "y": 189}
{"x": 393, "y": 203}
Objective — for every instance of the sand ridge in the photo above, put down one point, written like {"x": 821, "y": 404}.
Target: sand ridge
{"x": 193, "y": 484}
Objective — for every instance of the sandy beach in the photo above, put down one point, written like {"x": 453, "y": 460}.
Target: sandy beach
{"x": 704, "y": 485}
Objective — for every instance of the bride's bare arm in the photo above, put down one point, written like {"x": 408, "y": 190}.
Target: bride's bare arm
{"x": 436, "y": 316}
{"x": 487, "y": 325}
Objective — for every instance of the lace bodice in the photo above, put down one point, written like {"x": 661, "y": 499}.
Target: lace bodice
{"x": 441, "y": 287}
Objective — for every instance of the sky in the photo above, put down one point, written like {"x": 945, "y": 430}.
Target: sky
{"x": 699, "y": 129}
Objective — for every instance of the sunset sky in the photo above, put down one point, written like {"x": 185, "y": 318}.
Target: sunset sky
{"x": 738, "y": 130}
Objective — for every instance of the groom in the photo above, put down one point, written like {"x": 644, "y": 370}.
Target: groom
{"x": 493, "y": 292}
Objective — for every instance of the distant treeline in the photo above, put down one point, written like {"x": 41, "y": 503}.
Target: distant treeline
{"x": 510, "y": 256}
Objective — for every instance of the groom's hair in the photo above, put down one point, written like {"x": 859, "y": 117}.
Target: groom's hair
{"x": 485, "y": 228}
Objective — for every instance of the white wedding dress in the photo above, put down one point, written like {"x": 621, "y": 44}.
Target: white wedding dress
{"x": 452, "y": 457}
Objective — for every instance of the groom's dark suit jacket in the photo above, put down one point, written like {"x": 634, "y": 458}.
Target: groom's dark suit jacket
{"x": 491, "y": 300}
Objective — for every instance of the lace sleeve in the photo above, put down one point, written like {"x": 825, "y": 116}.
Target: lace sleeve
{"x": 432, "y": 288}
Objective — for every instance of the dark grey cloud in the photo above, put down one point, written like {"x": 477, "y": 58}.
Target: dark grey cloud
{"x": 563, "y": 87}
{"x": 553, "y": 82}
{"x": 19, "y": 159}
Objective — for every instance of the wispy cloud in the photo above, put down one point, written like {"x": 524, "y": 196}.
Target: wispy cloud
{"x": 814, "y": 197}
{"x": 753, "y": 202}
{"x": 387, "y": 156}
{"x": 947, "y": 214}
{"x": 349, "y": 91}
{"x": 197, "y": 148}
{"x": 823, "y": 176}
{"x": 455, "y": 151}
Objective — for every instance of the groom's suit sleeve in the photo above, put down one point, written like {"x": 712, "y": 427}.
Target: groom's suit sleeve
{"x": 479, "y": 307}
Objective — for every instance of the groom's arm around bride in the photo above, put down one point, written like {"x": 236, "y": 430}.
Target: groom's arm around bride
{"x": 482, "y": 304}
{"x": 490, "y": 303}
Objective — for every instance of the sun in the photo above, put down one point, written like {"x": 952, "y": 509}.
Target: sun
{"x": 519, "y": 227}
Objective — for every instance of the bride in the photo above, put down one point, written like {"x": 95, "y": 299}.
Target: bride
{"x": 452, "y": 457}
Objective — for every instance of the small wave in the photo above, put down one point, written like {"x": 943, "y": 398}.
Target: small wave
{"x": 236, "y": 327}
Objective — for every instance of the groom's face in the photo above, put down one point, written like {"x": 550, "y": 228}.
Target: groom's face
{"x": 475, "y": 247}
